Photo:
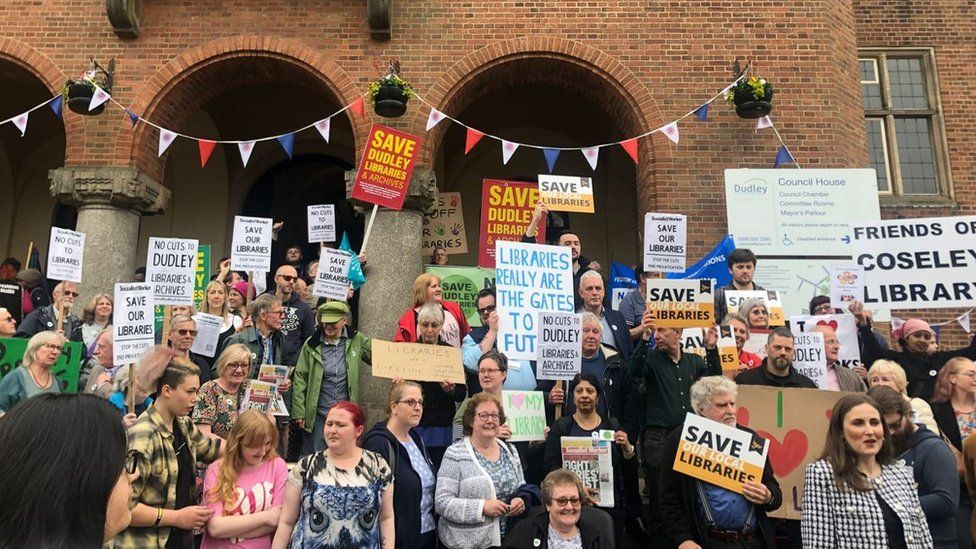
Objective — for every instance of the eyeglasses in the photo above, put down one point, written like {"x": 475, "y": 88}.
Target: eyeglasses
{"x": 288, "y": 278}
{"x": 485, "y": 416}
{"x": 482, "y": 371}
{"x": 130, "y": 462}
{"x": 486, "y": 310}
{"x": 412, "y": 402}
{"x": 971, "y": 373}
{"x": 68, "y": 293}
{"x": 429, "y": 325}
{"x": 52, "y": 347}
{"x": 187, "y": 332}
{"x": 238, "y": 366}
{"x": 563, "y": 502}
{"x": 279, "y": 312}
{"x": 825, "y": 308}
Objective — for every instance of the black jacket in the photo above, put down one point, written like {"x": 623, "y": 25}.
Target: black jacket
{"x": 938, "y": 485}
{"x": 945, "y": 418}
{"x": 679, "y": 504}
{"x": 297, "y": 325}
{"x": 439, "y": 406}
{"x": 536, "y": 529}
{"x": 408, "y": 488}
{"x": 759, "y": 376}
{"x": 43, "y": 319}
{"x": 621, "y": 332}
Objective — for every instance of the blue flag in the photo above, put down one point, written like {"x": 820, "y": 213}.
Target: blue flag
{"x": 783, "y": 156}
{"x": 356, "y": 275}
{"x": 713, "y": 265}
{"x": 622, "y": 276}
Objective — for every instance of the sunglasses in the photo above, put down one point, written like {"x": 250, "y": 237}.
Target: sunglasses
{"x": 69, "y": 294}
{"x": 186, "y": 332}
{"x": 486, "y": 310}
{"x": 288, "y": 278}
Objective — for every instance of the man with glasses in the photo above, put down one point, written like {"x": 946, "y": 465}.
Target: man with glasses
{"x": 264, "y": 338}
{"x": 298, "y": 322}
{"x": 56, "y": 317}
{"x": 839, "y": 377}
{"x": 8, "y": 324}
{"x": 182, "y": 334}
{"x": 327, "y": 372}
{"x": 481, "y": 339}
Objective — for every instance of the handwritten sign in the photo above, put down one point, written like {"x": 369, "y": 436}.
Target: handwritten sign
{"x": 844, "y": 326}
{"x": 444, "y": 225}
{"x": 590, "y": 458}
{"x": 171, "y": 266}
{"x": 679, "y": 303}
{"x": 133, "y": 321}
{"x": 559, "y": 350}
{"x": 332, "y": 279}
{"x": 665, "y": 237}
{"x": 506, "y": 211}
{"x": 65, "y": 255}
{"x": 386, "y": 167}
{"x": 719, "y": 454}
{"x": 417, "y": 361}
{"x": 321, "y": 223}
{"x": 810, "y": 359}
{"x": 251, "y": 249}
{"x": 562, "y": 193}
{"x": 525, "y": 412}
{"x": 208, "y": 333}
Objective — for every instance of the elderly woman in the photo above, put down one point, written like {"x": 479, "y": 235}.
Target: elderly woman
{"x": 220, "y": 399}
{"x": 97, "y": 372}
{"x": 560, "y": 526}
{"x": 34, "y": 376}
{"x": 215, "y": 303}
{"x": 754, "y": 313}
{"x": 480, "y": 482}
{"x": 427, "y": 290}
{"x": 94, "y": 318}
{"x": 890, "y": 374}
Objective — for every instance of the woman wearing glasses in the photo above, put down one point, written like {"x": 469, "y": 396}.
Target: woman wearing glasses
{"x": 220, "y": 398}
{"x": 34, "y": 376}
{"x": 954, "y": 408}
{"x": 560, "y": 526}
{"x": 414, "y": 475}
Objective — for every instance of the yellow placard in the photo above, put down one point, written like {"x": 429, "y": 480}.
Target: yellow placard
{"x": 728, "y": 353}
{"x": 563, "y": 193}
{"x": 770, "y": 297}
{"x": 719, "y": 454}
{"x": 681, "y": 303}
{"x": 417, "y": 362}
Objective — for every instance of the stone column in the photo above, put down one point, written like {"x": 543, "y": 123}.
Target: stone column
{"x": 111, "y": 201}
{"x": 393, "y": 262}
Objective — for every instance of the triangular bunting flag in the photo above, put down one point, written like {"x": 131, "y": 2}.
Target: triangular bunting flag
{"x": 133, "y": 117}
{"x": 896, "y": 324}
{"x": 592, "y": 155}
{"x": 964, "y": 322}
{"x": 356, "y": 275}
{"x": 166, "y": 139}
{"x": 324, "y": 127}
{"x": 358, "y": 107}
{"x": 783, "y": 156}
{"x": 287, "y": 142}
{"x": 56, "y": 105}
{"x": 508, "y": 149}
{"x": 434, "y": 118}
{"x": 21, "y": 122}
{"x": 551, "y": 156}
{"x": 937, "y": 329}
{"x": 701, "y": 113}
{"x": 764, "y": 122}
{"x": 100, "y": 96}
{"x": 631, "y": 147}
{"x": 206, "y": 149}
{"x": 472, "y": 139}
{"x": 671, "y": 131}
{"x": 246, "y": 149}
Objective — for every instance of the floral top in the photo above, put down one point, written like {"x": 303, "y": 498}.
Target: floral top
{"x": 558, "y": 542}
{"x": 967, "y": 423}
{"x": 218, "y": 408}
{"x": 504, "y": 475}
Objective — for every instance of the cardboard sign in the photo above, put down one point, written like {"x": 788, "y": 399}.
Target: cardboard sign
{"x": 171, "y": 268}
{"x": 845, "y": 326}
{"x": 525, "y": 412}
{"x": 681, "y": 303}
{"x": 321, "y": 223}
{"x": 208, "y": 332}
{"x": 728, "y": 353}
{"x": 251, "y": 249}
{"x": 794, "y": 421}
{"x": 917, "y": 263}
{"x": 846, "y": 286}
{"x": 770, "y": 297}
{"x": 133, "y": 321}
{"x": 506, "y": 211}
{"x": 444, "y": 225}
{"x": 563, "y": 193}
{"x": 810, "y": 360}
{"x": 590, "y": 459}
{"x": 332, "y": 279}
{"x": 66, "y": 368}
{"x": 65, "y": 255}
{"x": 461, "y": 285}
{"x": 529, "y": 278}
{"x": 718, "y": 454}
{"x": 386, "y": 167}
{"x": 417, "y": 361}
{"x": 665, "y": 237}
{"x": 559, "y": 348}
{"x": 202, "y": 275}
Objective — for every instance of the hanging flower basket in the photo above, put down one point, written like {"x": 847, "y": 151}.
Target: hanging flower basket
{"x": 390, "y": 95}
{"x": 752, "y": 97}
{"x": 78, "y": 94}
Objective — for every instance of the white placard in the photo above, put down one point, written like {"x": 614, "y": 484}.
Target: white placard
{"x": 844, "y": 325}
{"x": 559, "y": 348}
{"x": 321, "y": 223}
{"x": 846, "y": 286}
{"x": 251, "y": 249}
{"x": 798, "y": 212}
{"x": 332, "y": 279}
{"x": 692, "y": 338}
{"x": 810, "y": 357}
{"x": 65, "y": 255}
{"x": 133, "y": 321}
{"x": 171, "y": 266}
{"x": 529, "y": 278}
{"x": 208, "y": 332}
{"x": 665, "y": 237}
{"x": 800, "y": 280}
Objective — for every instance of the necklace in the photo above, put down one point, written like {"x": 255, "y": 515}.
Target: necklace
{"x": 44, "y": 385}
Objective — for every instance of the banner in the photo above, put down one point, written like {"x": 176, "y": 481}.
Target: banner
{"x": 590, "y": 459}
{"x": 171, "y": 269}
{"x": 66, "y": 368}
{"x": 681, "y": 303}
{"x": 559, "y": 352}
{"x": 810, "y": 360}
{"x": 714, "y": 265}
{"x": 251, "y": 250}
{"x": 845, "y": 326}
{"x": 525, "y": 413}
{"x": 718, "y": 454}
{"x": 769, "y": 297}
{"x": 461, "y": 285}
{"x": 202, "y": 275}
{"x": 386, "y": 167}
{"x": 917, "y": 263}
{"x": 506, "y": 211}
{"x": 444, "y": 225}
{"x": 133, "y": 320}
{"x": 529, "y": 278}
{"x": 332, "y": 278}
{"x": 417, "y": 362}
{"x": 321, "y": 223}
{"x": 208, "y": 333}
{"x": 846, "y": 286}
{"x": 564, "y": 193}
{"x": 665, "y": 237}
{"x": 65, "y": 255}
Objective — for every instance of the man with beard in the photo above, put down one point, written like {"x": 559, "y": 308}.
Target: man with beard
{"x": 298, "y": 320}
{"x": 777, "y": 369}
{"x": 931, "y": 461}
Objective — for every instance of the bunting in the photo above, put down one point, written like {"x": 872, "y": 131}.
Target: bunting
{"x": 764, "y": 122}
{"x": 964, "y": 322}
{"x": 551, "y": 156}
{"x": 508, "y": 149}
{"x": 701, "y": 113}
{"x": 325, "y": 128}
{"x": 358, "y": 107}
{"x": 471, "y": 139}
{"x": 287, "y": 142}
{"x": 166, "y": 139}
{"x": 631, "y": 147}
{"x": 245, "y": 149}
{"x": 783, "y": 156}
{"x": 434, "y": 118}
{"x": 592, "y": 155}
{"x": 56, "y": 104}
{"x": 206, "y": 149}
{"x": 21, "y": 122}
{"x": 671, "y": 131}
{"x": 98, "y": 98}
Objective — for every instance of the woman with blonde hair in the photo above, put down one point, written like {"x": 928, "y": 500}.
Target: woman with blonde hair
{"x": 215, "y": 303}
{"x": 34, "y": 376}
{"x": 220, "y": 398}
{"x": 94, "y": 318}
{"x": 954, "y": 408}
{"x": 890, "y": 374}
{"x": 246, "y": 488}
{"x": 427, "y": 289}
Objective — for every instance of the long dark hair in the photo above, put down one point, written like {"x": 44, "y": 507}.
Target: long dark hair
{"x": 839, "y": 453}
{"x": 62, "y": 456}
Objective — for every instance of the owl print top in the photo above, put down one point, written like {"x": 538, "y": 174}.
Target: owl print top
{"x": 340, "y": 508}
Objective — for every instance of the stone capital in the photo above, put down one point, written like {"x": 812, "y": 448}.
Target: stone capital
{"x": 421, "y": 193}
{"x": 118, "y": 186}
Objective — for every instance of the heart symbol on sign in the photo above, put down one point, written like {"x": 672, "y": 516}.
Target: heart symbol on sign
{"x": 832, "y": 324}
{"x": 787, "y": 455}
{"x": 517, "y": 400}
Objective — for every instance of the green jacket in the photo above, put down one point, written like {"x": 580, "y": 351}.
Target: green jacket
{"x": 307, "y": 381}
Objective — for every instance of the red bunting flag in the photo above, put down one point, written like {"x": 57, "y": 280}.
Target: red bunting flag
{"x": 631, "y": 147}
{"x": 358, "y": 107}
{"x": 206, "y": 148}
{"x": 472, "y": 139}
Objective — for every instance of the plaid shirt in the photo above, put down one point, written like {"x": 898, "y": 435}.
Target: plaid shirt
{"x": 151, "y": 442}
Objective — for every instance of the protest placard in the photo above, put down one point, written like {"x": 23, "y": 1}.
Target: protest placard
{"x": 565, "y": 193}
{"x": 506, "y": 211}
{"x": 728, "y": 353}
{"x": 321, "y": 223}
{"x": 65, "y": 255}
{"x": 461, "y": 285}
{"x": 208, "y": 332}
{"x": 810, "y": 359}
{"x": 681, "y": 303}
{"x": 718, "y": 454}
{"x": 845, "y": 326}
{"x": 769, "y": 297}
{"x": 559, "y": 349}
{"x": 386, "y": 167}
{"x": 332, "y": 279}
{"x": 171, "y": 268}
{"x": 259, "y": 395}
{"x": 12, "y": 299}
{"x": 275, "y": 374}
{"x": 693, "y": 341}
{"x": 443, "y": 225}
{"x": 133, "y": 321}
{"x": 417, "y": 361}
{"x": 846, "y": 286}
{"x": 665, "y": 237}
{"x": 525, "y": 414}
{"x": 202, "y": 275}
{"x": 529, "y": 278}
{"x": 251, "y": 250}
{"x": 917, "y": 263}
{"x": 590, "y": 459}
{"x": 66, "y": 368}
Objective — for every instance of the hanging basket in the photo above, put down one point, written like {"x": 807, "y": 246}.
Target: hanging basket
{"x": 79, "y": 97}
{"x": 390, "y": 101}
{"x": 747, "y": 106}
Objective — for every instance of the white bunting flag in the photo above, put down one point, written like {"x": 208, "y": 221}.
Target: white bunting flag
{"x": 100, "y": 96}
{"x": 508, "y": 149}
{"x": 964, "y": 322}
{"x": 896, "y": 323}
{"x": 324, "y": 127}
{"x": 434, "y": 118}
{"x": 246, "y": 149}
{"x": 21, "y": 122}
{"x": 671, "y": 130}
{"x": 592, "y": 155}
{"x": 764, "y": 122}
{"x": 166, "y": 139}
